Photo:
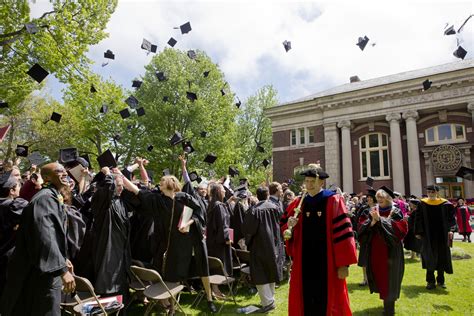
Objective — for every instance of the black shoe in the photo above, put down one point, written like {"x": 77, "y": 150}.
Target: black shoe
{"x": 442, "y": 285}
{"x": 267, "y": 308}
{"x": 212, "y": 307}
{"x": 431, "y": 286}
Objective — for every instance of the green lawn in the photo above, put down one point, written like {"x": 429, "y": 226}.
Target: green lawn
{"x": 457, "y": 299}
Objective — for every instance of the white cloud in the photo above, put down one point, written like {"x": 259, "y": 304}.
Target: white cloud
{"x": 245, "y": 39}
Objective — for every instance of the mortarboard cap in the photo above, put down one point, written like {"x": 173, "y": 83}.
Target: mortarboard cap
{"x": 161, "y": 76}
{"x": 93, "y": 89}
{"x": 450, "y": 30}
{"x": 426, "y": 84}
{"x": 389, "y": 191}
{"x": 191, "y": 54}
{"x": 36, "y": 158}
{"x": 4, "y": 131}
{"x": 187, "y": 147}
{"x": 362, "y": 42}
{"x": 287, "y": 45}
{"x": 210, "y": 158}
{"x": 315, "y": 173}
{"x": 176, "y": 139}
{"x": 460, "y": 52}
{"x": 150, "y": 148}
{"x": 136, "y": 84}
{"x": 84, "y": 163}
{"x": 124, "y": 113}
{"x": 67, "y": 155}
{"x": 165, "y": 99}
{"x": 56, "y": 117}
{"x": 193, "y": 176}
{"x": 21, "y": 151}
{"x": 132, "y": 102}
{"x": 260, "y": 149}
{"x": 3, "y": 104}
{"x": 153, "y": 48}
{"x": 117, "y": 137}
{"x": 233, "y": 171}
{"x": 166, "y": 172}
{"x": 371, "y": 192}
{"x": 369, "y": 181}
{"x": 147, "y": 45}
{"x": 109, "y": 54}
{"x": 265, "y": 162}
{"x": 104, "y": 108}
{"x": 238, "y": 103}
{"x": 141, "y": 111}
{"x": 243, "y": 182}
{"x": 203, "y": 134}
{"x": 172, "y": 42}
{"x": 107, "y": 159}
{"x": 7, "y": 181}
{"x": 223, "y": 92}
{"x": 31, "y": 28}
{"x": 87, "y": 159}
{"x": 185, "y": 28}
{"x": 191, "y": 96}
{"x": 206, "y": 73}
{"x": 465, "y": 173}
{"x": 38, "y": 73}
{"x": 432, "y": 187}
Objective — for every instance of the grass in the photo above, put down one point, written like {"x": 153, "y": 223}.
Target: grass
{"x": 457, "y": 299}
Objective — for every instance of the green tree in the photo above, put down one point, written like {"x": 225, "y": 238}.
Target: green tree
{"x": 63, "y": 37}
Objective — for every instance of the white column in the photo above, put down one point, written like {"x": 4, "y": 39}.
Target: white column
{"x": 468, "y": 185}
{"x": 332, "y": 154}
{"x": 470, "y": 108}
{"x": 428, "y": 168}
{"x": 414, "y": 172}
{"x": 347, "y": 182}
{"x": 398, "y": 174}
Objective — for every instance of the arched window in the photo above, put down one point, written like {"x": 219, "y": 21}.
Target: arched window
{"x": 374, "y": 155}
{"x": 445, "y": 133}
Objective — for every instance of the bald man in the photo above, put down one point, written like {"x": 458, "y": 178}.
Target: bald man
{"x": 39, "y": 268}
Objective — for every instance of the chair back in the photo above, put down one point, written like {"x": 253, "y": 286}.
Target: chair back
{"x": 84, "y": 285}
{"x": 215, "y": 264}
{"x": 146, "y": 275}
{"x": 243, "y": 255}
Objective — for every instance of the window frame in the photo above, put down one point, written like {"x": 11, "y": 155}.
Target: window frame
{"x": 298, "y": 136}
{"x": 437, "y": 141}
{"x": 365, "y": 152}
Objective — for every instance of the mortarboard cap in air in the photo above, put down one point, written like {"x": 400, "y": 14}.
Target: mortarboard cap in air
{"x": 369, "y": 181}
{"x": 450, "y": 30}
{"x": 185, "y": 28}
{"x": 117, "y": 137}
{"x": 109, "y": 54}
{"x": 36, "y": 158}
{"x": 56, "y": 117}
{"x": 260, "y": 149}
{"x": 233, "y": 171}
{"x": 21, "y": 151}
{"x": 165, "y": 98}
{"x": 238, "y": 103}
{"x": 176, "y": 139}
{"x": 206, "y": 73}
{"x": 141, "y": 111}
{"x": 203, "y": 134}
{"x": 191, "y": 96}
{"x": 104, "y": 109}
{"x": 223, "y": 92}
{"x": 172, "y": 42}
{"x": 460, "y": 52}
{"x": 150, "y": 147}
{"x": 107, "y": 159}
{"x": 31, "y": 28}
{"x": 93, "y": 89}
{"x": 67, "y": 155}
{"x": 426, "y": 84}
{"x": 432, "y": 187}
{"x": 388, "y": 190}
{"x": 132, "y": 102}
{"x": 193, "y": 176}
{"x": 191, "y": 54}
{"x": 465, "y": 173}
{"x": 166, "y": 172}
{"x": 87, "y": 159}
{"x": 3, "y": 104}
{"x": 187, "y": 147}
{"x": 124, "y": 113}
{"x": 362, "y": 42}
{"x": 146, "y": 45}
{"x": 153, "y": 48}
{"x": 136, "y": 84}
{"x": 210, "y": 158}
{"x": 161, "y": 76}
{"x": 287, "y": 45}
{"x": 83, "y": 162}
{"x": 265, "y": 162}
{"x": 38, "y": 73}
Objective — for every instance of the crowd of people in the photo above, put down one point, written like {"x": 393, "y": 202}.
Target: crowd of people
{"x": 54, "y": 225}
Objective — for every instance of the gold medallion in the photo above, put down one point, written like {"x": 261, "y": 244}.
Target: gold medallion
{"x": 307, "y": 214}
{"x": 319, "y": 214}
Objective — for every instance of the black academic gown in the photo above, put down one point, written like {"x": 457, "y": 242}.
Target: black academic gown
{"x": 111, "y": 257}
{"x": 39, "y": 259}
{"x": 218, "y": 221}
{"x": 76, "y": 229}
{"x": 262, "y": 237}
{"x": 410, "y": 242}
{"x": 281, "y": 247}
{"x": 178, "y": 264}
{"x": 10, "y": 214}
{"x": 434, "y": 220}
{"x": 237, "y": 215}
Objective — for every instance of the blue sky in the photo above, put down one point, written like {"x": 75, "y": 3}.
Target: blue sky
{"x": 245, "y": 39}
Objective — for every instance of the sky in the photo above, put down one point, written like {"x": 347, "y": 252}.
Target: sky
{"x": 245, "y": 39}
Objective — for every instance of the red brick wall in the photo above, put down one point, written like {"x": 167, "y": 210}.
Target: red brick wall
{"x": 284, "y": 162}
{"x": 281, "y": 139}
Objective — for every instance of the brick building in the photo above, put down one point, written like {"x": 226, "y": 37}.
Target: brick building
{"x": 387, "y": 128}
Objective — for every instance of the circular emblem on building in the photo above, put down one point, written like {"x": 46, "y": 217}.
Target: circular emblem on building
{"x": 446, "y": 158}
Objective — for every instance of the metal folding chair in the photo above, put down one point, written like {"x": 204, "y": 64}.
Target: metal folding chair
{"x": 220, "y": 278}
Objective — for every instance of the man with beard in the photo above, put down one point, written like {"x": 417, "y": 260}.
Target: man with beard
{"x": 39, "y": 267}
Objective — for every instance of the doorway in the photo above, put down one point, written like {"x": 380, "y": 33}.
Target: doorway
{"x": 450, "y": 187}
